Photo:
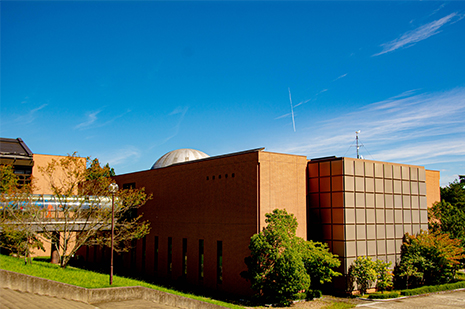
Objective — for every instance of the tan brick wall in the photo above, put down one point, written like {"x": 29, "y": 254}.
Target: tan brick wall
{"x": 433, "y": 192}
{"x": 41, "y": 183}
{"x": 283, "y": 186}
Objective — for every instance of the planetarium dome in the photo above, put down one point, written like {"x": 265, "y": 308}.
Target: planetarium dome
{"x": 178, "y": 156}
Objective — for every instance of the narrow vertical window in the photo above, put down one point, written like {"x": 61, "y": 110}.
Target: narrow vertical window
{"x": 184, "y": 257}
{"x": 155, "y": 260}
{"x": 133, "y": 254}
{"x": 144, "y": 247}
{"x": 201, "y": 256}
{"x": 219, "y": 262}
{"x": 170, "y": 255}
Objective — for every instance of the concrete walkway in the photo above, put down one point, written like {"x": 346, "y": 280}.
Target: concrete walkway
{"x": 11, "y": 299}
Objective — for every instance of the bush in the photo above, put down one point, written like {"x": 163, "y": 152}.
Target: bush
{"x": 384, "y": 295}
{"x": 428, "y": 259}
{"x": 364, "y": 272}
{"x": 282, "y": 265}
{"x": 434, "y": 288}
{"x": 384, "y": 279}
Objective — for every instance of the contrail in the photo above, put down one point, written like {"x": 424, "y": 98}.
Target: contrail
{"x": 292, "y": 108}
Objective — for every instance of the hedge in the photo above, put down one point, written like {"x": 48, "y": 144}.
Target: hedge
{"x": 434, "y": 288}
{"x": 381, "y": 295}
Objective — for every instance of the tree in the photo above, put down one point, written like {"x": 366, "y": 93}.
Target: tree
{"x": 364, "y": 272}
{"x": 18, "y": 234}
{"x": 384, "y": 275}
{"x": 81, "y": 214}
{"x": 319, "y": 263}
{"x": 95, "y": 171}
{"x": 430, "y": 258}
{"x": 8, "y": 179}
{"x": 281, "y": 264}
{"x": 448, "y": 215}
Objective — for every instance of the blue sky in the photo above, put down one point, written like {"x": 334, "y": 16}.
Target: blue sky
{"x": 127, "y": 82}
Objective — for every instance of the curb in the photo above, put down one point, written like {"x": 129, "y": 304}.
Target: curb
{"x": 40, "y": 286}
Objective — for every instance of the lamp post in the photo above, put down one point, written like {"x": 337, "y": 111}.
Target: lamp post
{"x": 113, "y": 188}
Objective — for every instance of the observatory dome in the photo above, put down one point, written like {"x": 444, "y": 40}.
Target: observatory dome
{"x": 178, "y": 156}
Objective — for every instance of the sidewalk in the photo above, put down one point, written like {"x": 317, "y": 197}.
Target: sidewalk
{"x": 11, "y": 299}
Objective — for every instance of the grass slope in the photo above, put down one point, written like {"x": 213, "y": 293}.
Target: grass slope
{"x": 87, "y": 279}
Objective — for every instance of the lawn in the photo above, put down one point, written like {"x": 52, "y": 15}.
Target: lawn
{"x": 88, "y": 279}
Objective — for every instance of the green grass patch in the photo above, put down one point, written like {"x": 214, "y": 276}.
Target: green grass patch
{"x": 88, "y": 279}
{"x": 434, "y": 288}
{"x": 339, "y": 305}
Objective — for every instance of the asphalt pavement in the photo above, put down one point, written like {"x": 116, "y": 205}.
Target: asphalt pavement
{"x": 454, "y": 299}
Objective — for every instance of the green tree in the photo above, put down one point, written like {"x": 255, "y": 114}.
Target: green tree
{"x": 18, "y": 235}
{"x": 96, "y": 171}
{"x": 384, "y": 275}
{"x": 275, "y": 266}
{"x": 319, "y": 263}
{"x": 84, "y": 214}
{"x": 8, "y": 179}
{"x": 448, "y": 215}
{"x": 430, "y": 258}
{"x": 281, "y": 264}
{"x": 364, "y": 272}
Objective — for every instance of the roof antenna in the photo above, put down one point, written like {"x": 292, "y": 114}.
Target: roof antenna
{"x": 358, "y": 146}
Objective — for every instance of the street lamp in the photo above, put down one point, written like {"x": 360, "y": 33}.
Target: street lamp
{"x": 113, "y": 188}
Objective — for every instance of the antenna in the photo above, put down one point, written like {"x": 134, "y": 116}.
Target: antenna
{"x": 358, "y": 146}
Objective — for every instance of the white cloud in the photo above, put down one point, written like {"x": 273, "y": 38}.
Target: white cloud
{"x": 121, "y": 156}
{"x": 408, "y": 128}
{"x": 342, "y": 76}
{"x": 91, "y": 118}
{"x": 91, "y": 121}
{"x": 177, "y": 110}
{"x": 409, "y": 38}
{"x": 30, "y": 116}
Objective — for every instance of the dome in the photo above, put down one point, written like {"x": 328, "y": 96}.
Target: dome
{"x": 178, "y": 156}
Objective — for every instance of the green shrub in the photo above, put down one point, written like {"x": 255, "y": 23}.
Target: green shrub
{"x": 429, "y": 259}
{"x": 316, "y": 294}
{"x": 364, "y": 272}
{"x": 384, "y": 295}
{"x": 434, "y": 288}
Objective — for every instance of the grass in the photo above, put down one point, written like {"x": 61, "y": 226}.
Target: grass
{"x": 339, "y": 305}
{"x": 88, "y": 279}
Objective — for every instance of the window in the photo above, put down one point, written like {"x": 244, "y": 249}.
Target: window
{"x": 219, "y": 262}
{"x": 144, "y": 246}
{"x": 201, "y": 259}
{"x": 131, "y": 185}
{"x": 170, "y": 255}
{"x": 233, "y": 175}
{"x": 133, "y": 254}
{"x": 184, "y": 257}
{"x": 155, "y": 260}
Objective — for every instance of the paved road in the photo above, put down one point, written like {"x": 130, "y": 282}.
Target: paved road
{"x": 11, "y": 299}
{"x": 448, "y": 300}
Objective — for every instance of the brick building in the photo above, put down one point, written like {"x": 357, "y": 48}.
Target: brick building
{"x": 205, "y": 209}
